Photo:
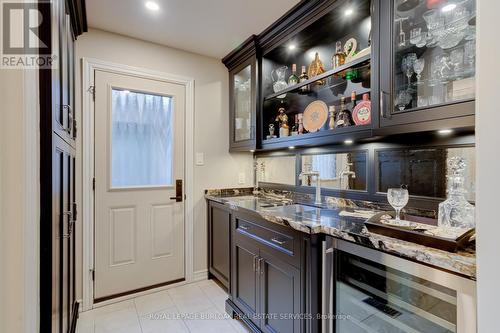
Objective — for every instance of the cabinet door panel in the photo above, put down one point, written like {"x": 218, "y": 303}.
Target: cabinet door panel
{"x": 220, "y": 224}
{"x": 279, "y": 295}
{"x": 244, "y": 284}
{"x": 427, "y": 64}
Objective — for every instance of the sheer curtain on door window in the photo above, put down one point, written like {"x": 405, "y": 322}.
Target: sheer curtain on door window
{"x": 141, "y": 143}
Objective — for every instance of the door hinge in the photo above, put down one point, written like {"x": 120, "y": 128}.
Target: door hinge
{"x": 93, "y": 183}
{"x": 92, "y": 91}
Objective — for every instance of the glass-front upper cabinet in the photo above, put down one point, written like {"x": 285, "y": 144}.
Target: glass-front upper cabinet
{"x": 242, "y": 65}
{"x": 428, "y": 66}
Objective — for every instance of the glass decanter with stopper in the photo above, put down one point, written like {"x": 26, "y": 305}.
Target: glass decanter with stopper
{"x": 456, "y": 211}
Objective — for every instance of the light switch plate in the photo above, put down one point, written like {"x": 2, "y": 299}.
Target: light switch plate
{"x": 200, "y": 159}
{"x": 241, "y": 178}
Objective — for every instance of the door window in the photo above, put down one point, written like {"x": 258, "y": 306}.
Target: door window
{"x": 141, "y": 139}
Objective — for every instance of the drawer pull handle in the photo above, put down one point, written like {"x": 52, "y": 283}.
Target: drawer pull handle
{"x": 277, "y": 241}
{"x": 244, "y": 227}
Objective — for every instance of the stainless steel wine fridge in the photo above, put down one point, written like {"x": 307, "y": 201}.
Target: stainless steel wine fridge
{"x": 368, "y": 291}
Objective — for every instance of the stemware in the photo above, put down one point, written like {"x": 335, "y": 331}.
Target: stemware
{"x": 470, "y": 55}
{"x": 418, "y": 67}
{"x": 402, "y": 35}
{"x": 415, "y": 35}
{"x": 398, "y": 199}
{"x": 403, "y": 99}
{"x": 457, "y": 61}
{"x": 407, "y": 65}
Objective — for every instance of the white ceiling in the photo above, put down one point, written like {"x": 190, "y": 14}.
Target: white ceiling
{"x": 208, "y": 27}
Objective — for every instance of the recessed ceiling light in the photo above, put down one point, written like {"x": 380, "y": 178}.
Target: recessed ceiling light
{"x": 348, "y": 12}
{"x": 152, "y": 5}
{"x": 348, "y": 141}
{"x": 448, "y": 7}
{"x": 292, "y": 47}
{"x": 445, "y": 131}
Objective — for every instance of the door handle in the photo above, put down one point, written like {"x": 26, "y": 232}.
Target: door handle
{"x": 383, "y": 112}
{"x": 178, "y": 191}
{"x": 261, "y": 269}
{"x": 277, "y": 241}
{"x": 255, "y": 263}
{"x": 69, "y": 128}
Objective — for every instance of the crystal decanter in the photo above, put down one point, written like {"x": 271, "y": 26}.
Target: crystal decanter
{"x": 456, "y": 211}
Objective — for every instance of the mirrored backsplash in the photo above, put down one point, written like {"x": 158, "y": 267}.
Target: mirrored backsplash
{"x": 368, "y": 170}
{"x": 424, "y": 171}
{"x": 339, "y": 171}
{"x": 276, "y": 169}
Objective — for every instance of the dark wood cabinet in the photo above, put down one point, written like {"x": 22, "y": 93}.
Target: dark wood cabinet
{"x": 58, "y": 209}
{"x": 219, "y": 238}
{"x": 267, "y": 284}
{"x": 280, "y": 295}
{"x": 242, "y": 65}
{"x": 436, "y": 92}
{"x": 422, "y": 86}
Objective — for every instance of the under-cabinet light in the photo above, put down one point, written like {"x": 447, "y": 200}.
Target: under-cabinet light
{"x": 252, "y": 151}
{"x": 445, "y": 131}
{"x": 126, "y": 91}
{"x": 291, "y": 147}
{"x": 348, "y": 12}
{"x": 348, "y": 142}
{"x": 152, "y": 5}
{"x": 449, "y": 7}
{"x": 292, "y": 47}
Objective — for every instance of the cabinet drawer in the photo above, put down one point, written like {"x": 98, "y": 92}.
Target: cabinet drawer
{"x": 284, "y": 244}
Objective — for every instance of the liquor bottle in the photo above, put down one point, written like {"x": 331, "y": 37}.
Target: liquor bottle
{"x": 331, "y": 116}
{"x": 362, "y": 113}
{"x": 295, "y": 127}
{"x": 352, "y": 105}
{"x": 338, "y": 58}
{"x": 303, "y": 77}
{"x": 344, "y": 118}
{"x": 301, "y": 125}
{"x": 293, "y": 79}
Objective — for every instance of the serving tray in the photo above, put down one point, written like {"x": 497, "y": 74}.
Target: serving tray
{"x": 420, "y": 233}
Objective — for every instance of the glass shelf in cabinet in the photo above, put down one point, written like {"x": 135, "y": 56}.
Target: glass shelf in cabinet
{"x": 354, "y": 64}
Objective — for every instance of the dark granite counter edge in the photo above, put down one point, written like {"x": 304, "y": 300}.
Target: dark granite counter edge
{"x": 461, "y": 263}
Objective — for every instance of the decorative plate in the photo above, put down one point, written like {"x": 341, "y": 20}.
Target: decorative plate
{"x": 315, "y": 116}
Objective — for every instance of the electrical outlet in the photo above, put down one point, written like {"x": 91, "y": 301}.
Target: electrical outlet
{"x": 241, "y": 178}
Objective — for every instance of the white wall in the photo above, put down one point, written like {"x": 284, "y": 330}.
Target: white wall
{"x": 19, "y": 201}
{"x": 488, "y": 165}
{"x": 211, "y": 118}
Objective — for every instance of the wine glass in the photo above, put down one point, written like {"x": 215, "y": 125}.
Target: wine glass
{"x": 407, "y": 65}
{"x": 403, "y": 99}
{"x": 418, "y": 67}
{"x": 398, "y": 199}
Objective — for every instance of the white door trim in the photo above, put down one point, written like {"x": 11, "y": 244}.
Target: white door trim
{"x": 89, "y": 66}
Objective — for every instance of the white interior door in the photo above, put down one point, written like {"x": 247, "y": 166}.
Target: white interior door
{"x": 139, "y": 155}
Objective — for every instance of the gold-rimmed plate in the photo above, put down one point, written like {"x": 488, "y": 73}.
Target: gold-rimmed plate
{"x": 315, "y": 116}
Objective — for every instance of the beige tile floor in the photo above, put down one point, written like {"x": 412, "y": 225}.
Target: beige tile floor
{"x": 192, "y": 308}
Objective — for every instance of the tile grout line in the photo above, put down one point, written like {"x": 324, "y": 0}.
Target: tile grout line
{"x": 137, "y": 314}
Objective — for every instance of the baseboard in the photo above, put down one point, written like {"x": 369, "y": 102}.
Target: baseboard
{"x": 200, "y": 275}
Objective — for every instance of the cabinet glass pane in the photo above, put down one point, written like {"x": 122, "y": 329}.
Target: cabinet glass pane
{"x": 375, "y": 298}
{"x": 141, "y": 140}
{"x": 435, "y": 53}
{"x": 243, "y": 104}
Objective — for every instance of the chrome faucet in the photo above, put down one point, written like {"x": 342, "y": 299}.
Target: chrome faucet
{"x": 317, "y": 200}
{"x": 347, "y": 172}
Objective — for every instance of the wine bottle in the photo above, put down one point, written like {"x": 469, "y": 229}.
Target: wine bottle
{"x": 362, "y": 113}
{"x": 304, "y": 77}
{"x": 293, "y": 79}
{"x": 338, "y": 58}
{"x": 353, "y": 101}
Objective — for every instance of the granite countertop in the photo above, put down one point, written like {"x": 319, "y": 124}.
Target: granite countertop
{"x": 331, "y": 219}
